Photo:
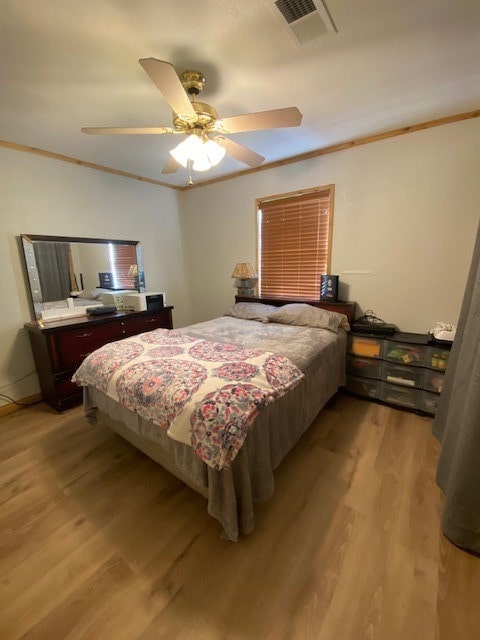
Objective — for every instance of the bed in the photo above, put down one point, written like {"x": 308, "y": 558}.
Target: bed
{"x": 295, "y": 334}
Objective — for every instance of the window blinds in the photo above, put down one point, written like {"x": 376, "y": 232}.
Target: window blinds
{"x": 123, "y": 264}
{"x": 294, "y": 244}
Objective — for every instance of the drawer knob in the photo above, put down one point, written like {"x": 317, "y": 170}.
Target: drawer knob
{"x": 84, "y": 335}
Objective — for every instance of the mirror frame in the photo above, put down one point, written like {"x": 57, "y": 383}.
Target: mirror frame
{"x": 32, "y": 276}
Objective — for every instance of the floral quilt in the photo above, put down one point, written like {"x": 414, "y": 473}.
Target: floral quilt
{"x": 203, "y": 393}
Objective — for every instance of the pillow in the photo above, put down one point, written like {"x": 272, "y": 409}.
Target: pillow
{"x": 305, "y": 315}
{"x": 250, "y": 311}
{"x": 89, "y": 294}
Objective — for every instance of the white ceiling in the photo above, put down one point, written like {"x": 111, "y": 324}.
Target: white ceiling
{"x": 68, "y": 64}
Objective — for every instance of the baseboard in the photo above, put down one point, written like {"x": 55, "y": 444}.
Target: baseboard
{"x": 11, "y": 407}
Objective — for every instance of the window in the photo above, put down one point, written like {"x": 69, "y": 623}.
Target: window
{"x": 123, "y": 264}
{"x": 294, "y": 242}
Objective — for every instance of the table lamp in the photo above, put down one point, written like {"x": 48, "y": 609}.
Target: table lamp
{"x": 247, "y": 274}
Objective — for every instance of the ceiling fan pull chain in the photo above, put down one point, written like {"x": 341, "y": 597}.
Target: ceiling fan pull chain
{"x": 190, "y": 181}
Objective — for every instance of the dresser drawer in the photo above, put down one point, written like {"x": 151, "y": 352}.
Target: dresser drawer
{"x": 65, "y": 388}
{"x": 429, "y": 402}
{"x": 363, "y": 386}
{"x": 406, "y": 354}
{"x": 364, "y": 367}
{"x": 133, "y": 326}
{"x": 433, "y": 380}
{"x": 363, "y": 346}
{"x": 73, "y": 345}
{"x": 402, "y": 375}
{"x": 437, "y": 358}
{"x": 401, "y": 396}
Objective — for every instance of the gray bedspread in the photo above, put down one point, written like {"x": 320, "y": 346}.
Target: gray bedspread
{"x": 231, "y": 493}
{"x": 300, "y": 344}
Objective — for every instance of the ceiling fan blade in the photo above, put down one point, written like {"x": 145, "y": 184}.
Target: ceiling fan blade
{"x": 171, "y": 166}
{"x": 130, "y": 130}
{"x": 239, "y": 152}
{"x": 274, "y": 119}
{"x": 164, "y": 77}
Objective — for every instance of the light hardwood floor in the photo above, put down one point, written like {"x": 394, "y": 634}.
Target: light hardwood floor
{"x": 97, "y": 541}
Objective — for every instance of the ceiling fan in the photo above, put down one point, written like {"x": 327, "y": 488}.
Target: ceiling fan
{"x": 206, "y": 143}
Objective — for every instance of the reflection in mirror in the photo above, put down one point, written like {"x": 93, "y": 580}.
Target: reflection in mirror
{"x": 73, "y": 272}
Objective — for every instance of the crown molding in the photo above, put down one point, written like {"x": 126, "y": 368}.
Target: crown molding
{"x": 342, "y": 146}
{"x": 82, "y": 163}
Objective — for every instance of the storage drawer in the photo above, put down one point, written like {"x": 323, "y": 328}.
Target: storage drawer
{"x": 406, "y": 354}
{"x": 73, "y": 345}
{"x": 363, "y": 346}
{"x": 437, "y": 358}
{"x": 429, "y": 402}
{"x": 140, "y": 324}
{"x": 364, "y": 367}
{"x": 394, "y": 394}
{"x": 433, "y": 380}
{"x": 363, "y": 387}
{"x": 66, "y": 388}
{"x": 403, "y": 375}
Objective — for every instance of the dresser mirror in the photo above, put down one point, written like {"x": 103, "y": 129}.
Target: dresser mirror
{"x": 62, "y": 271}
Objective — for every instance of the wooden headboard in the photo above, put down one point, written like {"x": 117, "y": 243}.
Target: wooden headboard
{"x": 347, "y": 308}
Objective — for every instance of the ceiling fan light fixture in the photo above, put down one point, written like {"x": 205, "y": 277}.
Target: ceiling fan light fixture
{"x": 203, "y": 155}
{"x": 179, "y": 154}
{"x": 201, "y": 163}
{"x": 187, "y": 150}
{"x": 215, "y": 152}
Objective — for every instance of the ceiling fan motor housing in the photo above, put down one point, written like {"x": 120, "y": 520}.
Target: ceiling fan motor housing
{"x": 193, "y": 82}
{"x": 206, "y": 117}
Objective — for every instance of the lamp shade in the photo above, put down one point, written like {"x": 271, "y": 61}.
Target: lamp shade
{"x": 244, "y": 270}
{"x": 214, "y": 151}
{"x": 187, "y": 149}
{"x": 203, "y": 154}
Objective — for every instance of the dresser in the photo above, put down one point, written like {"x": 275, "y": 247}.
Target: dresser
{"x": 403, "y": 370}
{"x": 60, "y": 347}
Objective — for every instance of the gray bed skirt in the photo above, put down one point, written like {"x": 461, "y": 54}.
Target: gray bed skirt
{"x": 231, "y": 493}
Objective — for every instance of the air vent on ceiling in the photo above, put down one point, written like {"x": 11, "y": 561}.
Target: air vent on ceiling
{"x": 303, "y": 20}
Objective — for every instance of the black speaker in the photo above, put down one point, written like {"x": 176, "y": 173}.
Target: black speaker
{"x": 106, "y": 280}
{"x": 329, "y": 287}
{"x": 154, "y": 301}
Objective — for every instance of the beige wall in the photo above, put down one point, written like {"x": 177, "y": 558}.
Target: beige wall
{"x": 43, "y": 196}
{"x": 92, "y": 259}
{"x": 406, "y": 213}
